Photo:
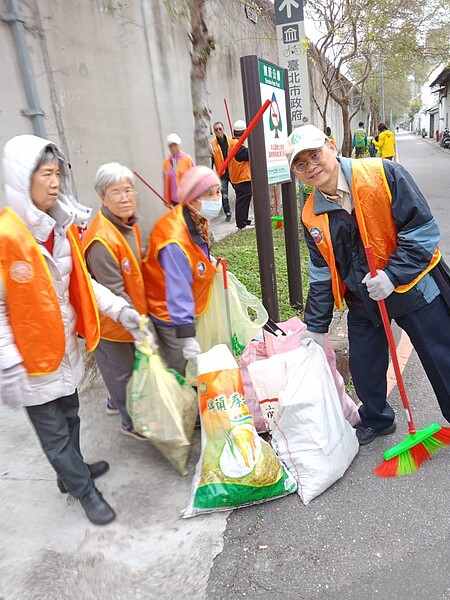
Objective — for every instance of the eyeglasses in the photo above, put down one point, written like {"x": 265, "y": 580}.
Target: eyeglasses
{"x": 117, "y": 194}
{"x": 314, "y": 159}
{"x": 218, "y": 128}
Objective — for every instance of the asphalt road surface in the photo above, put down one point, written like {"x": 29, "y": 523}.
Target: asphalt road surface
{"x": 364, "y": 538}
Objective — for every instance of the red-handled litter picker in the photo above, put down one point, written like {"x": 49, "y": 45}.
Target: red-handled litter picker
{"x": 407, "y": 456}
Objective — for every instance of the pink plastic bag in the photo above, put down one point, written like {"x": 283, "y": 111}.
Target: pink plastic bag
{"x": 291, "y": 341}
{"x": 253, "y": 351}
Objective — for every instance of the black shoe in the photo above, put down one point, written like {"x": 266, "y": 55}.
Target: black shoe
{"x": 248, "y": 222}
{"x": 96, "y": 469}
{"x": 366, "y": 435}
{"x": 97, "y": 510}
{"x": 228, "y": 217}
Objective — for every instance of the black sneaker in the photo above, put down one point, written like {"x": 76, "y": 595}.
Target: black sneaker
{"x": 366, "y": 435}
{"x": 228, "y": 217}
{"x": 97, "y": 510}
{"x": 96, "y": 469}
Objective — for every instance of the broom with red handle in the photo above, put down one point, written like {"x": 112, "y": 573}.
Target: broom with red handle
{"x": 407, "y": 456}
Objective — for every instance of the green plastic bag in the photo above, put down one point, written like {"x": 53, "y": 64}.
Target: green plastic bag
{"x": 163, "y": 407}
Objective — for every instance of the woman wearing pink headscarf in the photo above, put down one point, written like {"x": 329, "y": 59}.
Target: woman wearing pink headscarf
{"x": 177, "y": 269}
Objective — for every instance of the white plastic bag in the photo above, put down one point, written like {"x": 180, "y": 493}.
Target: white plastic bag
{"x": 310, "y": 434}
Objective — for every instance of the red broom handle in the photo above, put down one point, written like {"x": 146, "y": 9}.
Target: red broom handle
{"x": 228, "y": 115}
{"x": 391, "y": 343}
{"x": 149, "y": 186}
{"x": 244, "y": 136}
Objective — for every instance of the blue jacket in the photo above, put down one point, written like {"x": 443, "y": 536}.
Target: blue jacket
{"x": 417, "y": 239}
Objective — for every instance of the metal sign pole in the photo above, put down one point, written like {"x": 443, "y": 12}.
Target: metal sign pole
{"x": 260, "y": 187}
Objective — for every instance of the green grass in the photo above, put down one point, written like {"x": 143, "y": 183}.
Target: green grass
{"x": 242, "y": 260}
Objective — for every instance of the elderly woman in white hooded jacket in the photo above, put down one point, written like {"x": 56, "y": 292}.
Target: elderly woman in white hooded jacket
{"x": 47, "y": 299}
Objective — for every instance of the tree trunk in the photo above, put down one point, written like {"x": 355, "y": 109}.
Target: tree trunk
{"x": 347, "y": 140}
{"x": 202, "y": 46}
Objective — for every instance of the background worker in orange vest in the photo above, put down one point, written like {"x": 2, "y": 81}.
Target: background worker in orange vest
{"x": 219, "y": 146}
{"x": 112, "y": 247}
{"x": 47, "y": 298}
{"x": 240, "y": 178}
{"x": 376, "y": 201}
{"x": 178, "y": 271}
{"x": 174, "y": 167}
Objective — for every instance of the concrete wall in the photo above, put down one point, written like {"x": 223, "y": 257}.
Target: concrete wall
{"x": 113, "y": 79}
{"x": 113, "y": 83}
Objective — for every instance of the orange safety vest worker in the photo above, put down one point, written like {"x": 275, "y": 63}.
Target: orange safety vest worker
{"x": 103, "y": 231}
{"x": 372, "y": 200}
{"x": 33, "y": 306}
{"x": 217, "y": 152}
{"x": 182, "y": 165}
{"x": 172, "y": 229}
{"x": 238, "y": 171}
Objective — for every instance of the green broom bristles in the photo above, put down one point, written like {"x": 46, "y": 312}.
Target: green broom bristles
{"x": 406, "y": 457}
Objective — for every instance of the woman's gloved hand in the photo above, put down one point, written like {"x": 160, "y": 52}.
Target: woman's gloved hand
{"x": 191, "y": 348}
{"x": 130, "y": 319}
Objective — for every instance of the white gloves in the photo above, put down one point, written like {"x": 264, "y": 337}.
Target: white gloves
{"x": 191, "y": 348}
{"x": 319, "y": 338}
{"x": 379, "y": 287}
{"x": 14, "y": 385}
{"x": 130, "y": 319}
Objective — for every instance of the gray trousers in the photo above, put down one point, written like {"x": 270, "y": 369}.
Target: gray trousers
{"x": 115, "y": 361}
{"x": 57, "y": 425}
{"x": 171, "y": 348}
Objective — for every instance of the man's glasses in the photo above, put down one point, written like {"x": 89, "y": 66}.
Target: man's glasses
{"x": 314, "y": 159}
{"x": 218, "y": 128}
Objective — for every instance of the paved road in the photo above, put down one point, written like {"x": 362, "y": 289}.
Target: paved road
{"x": 365, "y": 537}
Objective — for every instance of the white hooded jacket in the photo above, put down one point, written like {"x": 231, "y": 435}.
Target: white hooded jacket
{"x": 20, "y": 156}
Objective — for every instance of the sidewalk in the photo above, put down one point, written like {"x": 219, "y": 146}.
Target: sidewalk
{"x": 49, "y": 549}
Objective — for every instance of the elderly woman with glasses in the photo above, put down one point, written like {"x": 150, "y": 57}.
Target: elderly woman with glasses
{"x": 112, "y": 247}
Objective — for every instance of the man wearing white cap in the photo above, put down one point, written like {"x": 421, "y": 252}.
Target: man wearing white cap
{"x": 240, "y": 177}
{"x": 174, "y": 167}
{"x": 372, "y": 202}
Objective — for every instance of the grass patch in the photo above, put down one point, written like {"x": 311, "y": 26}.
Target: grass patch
{"x": 242, "y": 260}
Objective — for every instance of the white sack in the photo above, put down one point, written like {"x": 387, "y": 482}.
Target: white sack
{"x": 311, "y": 435}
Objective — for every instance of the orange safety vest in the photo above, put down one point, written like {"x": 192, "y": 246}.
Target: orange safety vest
{"x": 217, "y": 152}
{"x": 172, "y": 229}
{"x": 372, "y": 200}
{"x": 184, "y": 163}
{"x": 103, "y": 231}
{"x": 238, "y": 171}
{"x": 33, "y": 307}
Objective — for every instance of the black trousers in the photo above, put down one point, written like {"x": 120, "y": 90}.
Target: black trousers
{"x": 224, "y": 181}
{"x": 57, "y": 425}
{"x": 243, "y": 198}
{"x": 428, "y": 329}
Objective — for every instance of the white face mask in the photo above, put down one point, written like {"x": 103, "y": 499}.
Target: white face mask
{"x": 210, "y": 209}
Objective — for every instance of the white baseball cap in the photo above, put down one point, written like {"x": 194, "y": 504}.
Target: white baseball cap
{"x": 239, "y": 125}
{"x": 173, "y": 138}
{"x": 306, "y": 137}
